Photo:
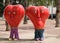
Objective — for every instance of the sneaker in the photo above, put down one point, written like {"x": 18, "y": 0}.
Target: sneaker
{"x": 37, "y": 39}
{"x": 41, "y": 39}
{"x": 16, "y": 39}
{"x": 10, "y": 39}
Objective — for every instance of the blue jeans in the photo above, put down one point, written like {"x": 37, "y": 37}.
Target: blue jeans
{"x": 39, "y": 33}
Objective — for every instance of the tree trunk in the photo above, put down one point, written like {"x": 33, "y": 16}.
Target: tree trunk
{"x": 14, "y": 2}
{"x": 58, "y": 13}
{"x": 1, "y": 1}
{"x": 6, "y": 3}
{"x": 25, "y": 5}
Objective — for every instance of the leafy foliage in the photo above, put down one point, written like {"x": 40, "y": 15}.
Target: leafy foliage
{"x": 41, "y": 2}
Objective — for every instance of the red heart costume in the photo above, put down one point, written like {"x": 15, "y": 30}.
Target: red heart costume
{"x": 38, "y": 16}
{"x": 13, "y": 15}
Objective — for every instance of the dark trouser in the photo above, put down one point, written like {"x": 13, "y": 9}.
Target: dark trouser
{"x": 14, "y": 33}
{"x": 39, "y": 33}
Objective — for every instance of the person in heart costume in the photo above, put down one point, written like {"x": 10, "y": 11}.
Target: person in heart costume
{"x": 13, "y": 15}
{"x": 38, "y": 16}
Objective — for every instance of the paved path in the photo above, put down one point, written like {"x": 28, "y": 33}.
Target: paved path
{"x": 26, "y": 33}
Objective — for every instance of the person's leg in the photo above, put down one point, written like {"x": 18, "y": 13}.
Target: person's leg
{"x": 16, "y": 33}
{"x": 41, "y": 32}
{"x": 36, "y": 35}
{"x": 11, "y": 34}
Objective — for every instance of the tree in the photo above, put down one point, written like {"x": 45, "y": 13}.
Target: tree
{"x": 25, "y": 5}
{"x": 1, "y": 9}
{"x": 58, "y": 13}
{"x": 6, "y": 3}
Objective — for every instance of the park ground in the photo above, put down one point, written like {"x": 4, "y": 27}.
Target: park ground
{"x": 26, "y": 33}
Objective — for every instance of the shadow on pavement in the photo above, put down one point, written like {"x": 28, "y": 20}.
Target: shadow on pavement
{"x": 6, "y": 39}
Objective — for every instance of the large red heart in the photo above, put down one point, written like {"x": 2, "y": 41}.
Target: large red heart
{"x": 36, "y": 16}
{"x": 14, "y": 14}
